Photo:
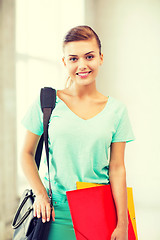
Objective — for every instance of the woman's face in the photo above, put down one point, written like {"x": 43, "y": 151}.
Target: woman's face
{"x": 82, "y": 60}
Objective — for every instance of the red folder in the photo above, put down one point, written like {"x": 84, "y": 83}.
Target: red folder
{"x": 93, "y": 213}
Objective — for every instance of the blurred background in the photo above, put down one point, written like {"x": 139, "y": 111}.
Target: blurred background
{"x": 31, "y": 35}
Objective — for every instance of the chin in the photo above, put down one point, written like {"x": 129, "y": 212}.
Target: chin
{"x": 85, "y": 82}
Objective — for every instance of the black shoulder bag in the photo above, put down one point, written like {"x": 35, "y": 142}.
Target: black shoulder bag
{"x": 25, "y": 225}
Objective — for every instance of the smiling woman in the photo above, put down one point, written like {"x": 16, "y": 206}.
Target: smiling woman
{"x": 84, "y": 38}
{"x": 82, "y": 60}
{"x": 83, "y": 126}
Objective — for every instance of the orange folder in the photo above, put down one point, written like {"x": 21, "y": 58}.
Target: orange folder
{"x": 131, "y": 210}
{"x": 93, "y": 213}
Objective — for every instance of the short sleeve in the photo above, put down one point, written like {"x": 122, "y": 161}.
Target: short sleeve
{"x": 33, "y": 119}
{"x": 123, "y": 131}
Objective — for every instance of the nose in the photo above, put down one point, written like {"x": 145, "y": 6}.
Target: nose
{"x": 82, "y": 64}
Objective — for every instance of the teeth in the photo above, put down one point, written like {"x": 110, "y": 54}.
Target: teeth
{"x": 83, "y": 74}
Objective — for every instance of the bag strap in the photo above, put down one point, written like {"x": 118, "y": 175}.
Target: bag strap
{"x": 48, "y": 100}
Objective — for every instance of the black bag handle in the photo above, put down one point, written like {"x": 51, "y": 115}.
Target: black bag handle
{"x": 48, "y": 100}
{"x": 28, "y": 195}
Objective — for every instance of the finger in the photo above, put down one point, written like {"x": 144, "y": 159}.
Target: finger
{"x": 34, "y": 211}
{"x": 38, "y": 211}
{"x": 48, "y": 212}
{"x": 53, "y": 214}
{"x": 43, "y": 213}
{"x": 113, "y": 237}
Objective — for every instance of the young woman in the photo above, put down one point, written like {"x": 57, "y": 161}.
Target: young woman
{"x": 83, "y": 126}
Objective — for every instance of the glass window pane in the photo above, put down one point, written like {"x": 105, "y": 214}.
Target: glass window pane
{"x": 41, "y": 74}
{"x": 40, "y": 28}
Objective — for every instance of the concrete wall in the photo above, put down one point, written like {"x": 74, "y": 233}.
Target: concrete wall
{"x": 7, "y": 117}
{"x": 130, "y": 35}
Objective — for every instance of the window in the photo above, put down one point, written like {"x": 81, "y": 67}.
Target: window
{"x": 40, "y": 28}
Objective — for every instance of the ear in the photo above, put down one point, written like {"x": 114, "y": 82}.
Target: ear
{"x": 64, "y": 62}
{"x": 101, "y": 58}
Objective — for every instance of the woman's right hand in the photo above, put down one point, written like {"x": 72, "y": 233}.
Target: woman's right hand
{"x": 42, "y": 208}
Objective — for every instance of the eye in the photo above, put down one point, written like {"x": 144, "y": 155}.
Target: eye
{"x": 73, "y": 59}
{"x": 89, "y": 57}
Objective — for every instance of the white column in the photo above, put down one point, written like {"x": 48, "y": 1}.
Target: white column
{"x": 7, "y": 118}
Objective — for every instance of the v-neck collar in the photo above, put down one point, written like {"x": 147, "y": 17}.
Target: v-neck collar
{"x": 85, "y": 120}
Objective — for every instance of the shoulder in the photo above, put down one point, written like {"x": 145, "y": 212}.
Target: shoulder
{"x": 37, "y": 103}
{"x": 34, "y": 108}
{"x": 117, "y": 106}
{"x": 63, "y": 94}
{"x": 33, "y": 119}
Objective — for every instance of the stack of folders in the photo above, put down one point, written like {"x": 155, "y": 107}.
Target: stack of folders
{"x": 93, "y": 212}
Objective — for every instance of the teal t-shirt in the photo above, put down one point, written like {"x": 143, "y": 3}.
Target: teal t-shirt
{"x": 78, "y": 148}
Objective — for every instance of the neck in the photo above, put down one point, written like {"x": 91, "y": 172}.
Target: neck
{"x": 83, "y": 91}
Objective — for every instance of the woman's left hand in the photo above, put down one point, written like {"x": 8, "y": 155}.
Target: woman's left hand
{"x": 120, "y": 233}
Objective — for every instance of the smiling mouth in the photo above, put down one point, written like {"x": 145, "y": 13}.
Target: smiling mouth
{"x": 83, "y": 74}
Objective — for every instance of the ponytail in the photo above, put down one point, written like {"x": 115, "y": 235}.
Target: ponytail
{"x": 68, "y": 82}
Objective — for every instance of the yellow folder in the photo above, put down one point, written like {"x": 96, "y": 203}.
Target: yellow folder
{"x": 131, "y": 209}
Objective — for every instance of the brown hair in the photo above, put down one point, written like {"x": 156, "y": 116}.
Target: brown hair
{"x": 79, "y": 33}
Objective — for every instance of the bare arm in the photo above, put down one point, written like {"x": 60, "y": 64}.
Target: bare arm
{"x": 117, "y": 174}
{"x": 41, "y": 205}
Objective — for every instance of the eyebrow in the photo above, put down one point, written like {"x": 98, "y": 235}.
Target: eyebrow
{"x": 84, "y": 54}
